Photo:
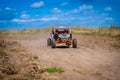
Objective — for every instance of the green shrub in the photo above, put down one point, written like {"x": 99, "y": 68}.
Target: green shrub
{"x": 29, "y": 74}
{"x": 35, "y": 57}
{"x": 54, "y": 69}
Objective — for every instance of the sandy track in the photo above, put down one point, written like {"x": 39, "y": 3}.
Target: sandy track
{"x": 92, "y": 60}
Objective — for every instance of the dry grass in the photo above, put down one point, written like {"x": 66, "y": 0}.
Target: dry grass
{"x": 20, "y": 32}
{"x": 97, "y": 31}
{"x": 25, "y": 31}
{"x": 115, "y": 31}
{"x": 102, "y": 31}
{"x": 54, "y": 69}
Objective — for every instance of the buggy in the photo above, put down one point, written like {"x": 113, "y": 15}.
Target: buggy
{"x": 60, "y": 35}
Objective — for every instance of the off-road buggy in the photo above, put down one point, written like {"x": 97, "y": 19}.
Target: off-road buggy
{"x": 61, "y": 35}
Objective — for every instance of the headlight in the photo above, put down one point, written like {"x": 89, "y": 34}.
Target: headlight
{"x": 67, "y": 36}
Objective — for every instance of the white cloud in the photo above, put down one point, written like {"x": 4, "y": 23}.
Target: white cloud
{"x": 34, "y": 19}
{"x": 49, "y": 18}
{"x": 24, "y": 20}
{"x": 84, "y": 7}
{"x": 18, "y": 20}
{"x": 37, "y": 4}
{"x": 108, "y": 8}
{"x": 56, "y": 10}
{"x": 108, "y": 18}
{"x": 81, "y": 8}
{"x": 64, "y": 3}
{"x": 25, "y": 16}
{"x": 7, "y": 8}
{"x": 85, "y": 18}
{"x": 75, "y": 11}
{"x": 65, "y": 14}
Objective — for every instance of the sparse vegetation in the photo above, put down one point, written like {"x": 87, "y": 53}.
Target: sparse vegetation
{"x": 97, "y": 74}
{"x": 54, "y": 69}
{"x": 29, "y": 31}
{"x": 109, "y": 31}
{"x": 114, "y": 31}
{"x": 20, "y": 32}
{"x": 81, "y": 72}
{"x": 35, "y": 57}
{"x": 29, "y": 74}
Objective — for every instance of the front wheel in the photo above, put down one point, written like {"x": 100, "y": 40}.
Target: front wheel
{"x": 48, "y": 42}
{"x": 53, "y": 43}
{"x": 74, "y": 43}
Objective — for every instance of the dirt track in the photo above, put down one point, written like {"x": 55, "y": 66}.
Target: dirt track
{"x": 94, "y": 59}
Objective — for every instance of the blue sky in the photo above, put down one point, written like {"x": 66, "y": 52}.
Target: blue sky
{"x": 20, "y": 14}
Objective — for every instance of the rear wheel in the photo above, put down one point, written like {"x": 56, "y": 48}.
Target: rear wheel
{"x": 53, "y": 43}
{"x": 74, "y": 43}
{"x": 48, "y": 42}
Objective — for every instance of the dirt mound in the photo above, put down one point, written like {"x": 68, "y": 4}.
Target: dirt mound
{"x": 18, "y": 64}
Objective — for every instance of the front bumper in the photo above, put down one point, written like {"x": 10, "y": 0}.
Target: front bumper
{"x": 67, "y": 41}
